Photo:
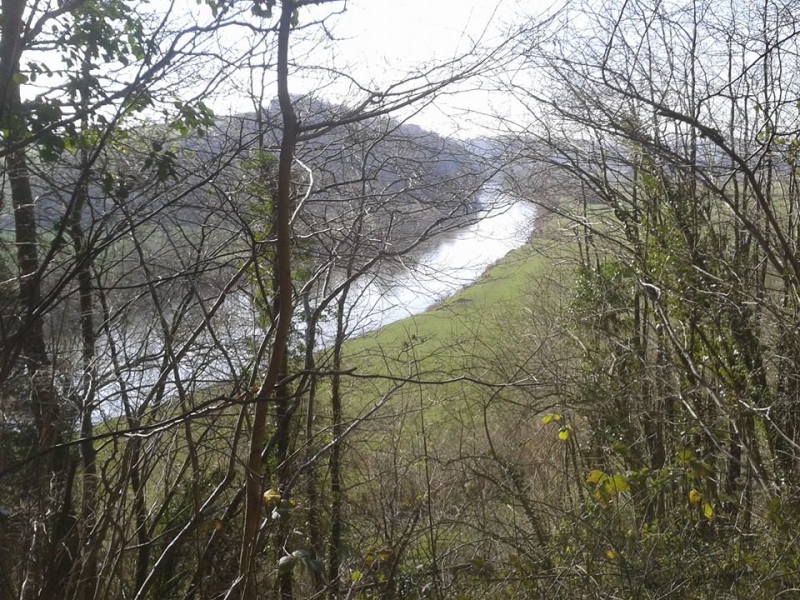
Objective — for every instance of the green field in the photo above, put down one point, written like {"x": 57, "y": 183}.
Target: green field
{"x": 461, "y": 350}
{"x": 481, "y": 309}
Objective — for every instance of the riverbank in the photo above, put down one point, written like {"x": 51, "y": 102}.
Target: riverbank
{"x": 468, "y": 333}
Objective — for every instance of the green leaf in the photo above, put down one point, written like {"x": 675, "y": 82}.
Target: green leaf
{"x": 108, "y": 183}
{"x": 609, "y": 487}
{"x": 384, "y": 554}
{"x": 684, "y": 456}
{"x": 774, "y": 512}
{"x": 621, "y": 448}
{"x": 19, "y": 78}
{"x": 166, "y": 167}
{"x": 708, "y": 511}
{"x": 355, "y": 576}
{"x": 314, "y": 565}
{"x": 263, "y": 8}
{"x": 699, "y": 470}
{"x": 51, "y": 150}
{"x": 619, "y": 484}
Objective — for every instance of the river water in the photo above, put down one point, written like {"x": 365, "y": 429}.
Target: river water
{"x": 457, "y": 260}
{"x": 453, "y": 261}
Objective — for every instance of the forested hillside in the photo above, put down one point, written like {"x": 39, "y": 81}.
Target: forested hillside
{"x": 193, "y": 404}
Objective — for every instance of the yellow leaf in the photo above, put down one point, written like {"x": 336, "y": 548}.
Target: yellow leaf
{"x": 271, "y": 497}
{"x": 594, "y": 476}
{"x": 708, "y": 511}
{"x": 611, "y": 555}
{"x": 355, "y": 576}
{"x": 563, "y": 435}
{"x": 695, "y": 497}
{"x": 552, "y": 417}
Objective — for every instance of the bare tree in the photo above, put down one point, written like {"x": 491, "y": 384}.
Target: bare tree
{"x": 171, "y": 244}
{"x": 669, "y": 126}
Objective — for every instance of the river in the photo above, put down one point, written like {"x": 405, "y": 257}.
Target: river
{"x": 457, "y": 260}
{"x": 452, "y": 261}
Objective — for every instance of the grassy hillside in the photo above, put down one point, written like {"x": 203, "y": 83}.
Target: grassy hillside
{"x": 477, "y": 315}
{"x": 448, "y": 369}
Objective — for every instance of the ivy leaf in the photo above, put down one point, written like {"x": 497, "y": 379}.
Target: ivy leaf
{"x": 609, "y": 487}
{"x": 52, "y": 147}
{"x": 314, "y": 565}
{"x": 286, "y": 564}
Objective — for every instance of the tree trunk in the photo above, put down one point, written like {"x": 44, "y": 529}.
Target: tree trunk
{"x": 335, "y": 547}
{"x": 284, "y": 275}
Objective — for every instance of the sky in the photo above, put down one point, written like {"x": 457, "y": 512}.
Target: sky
{"x": 405, "y": 33}
{"x": 378, "y": 41}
